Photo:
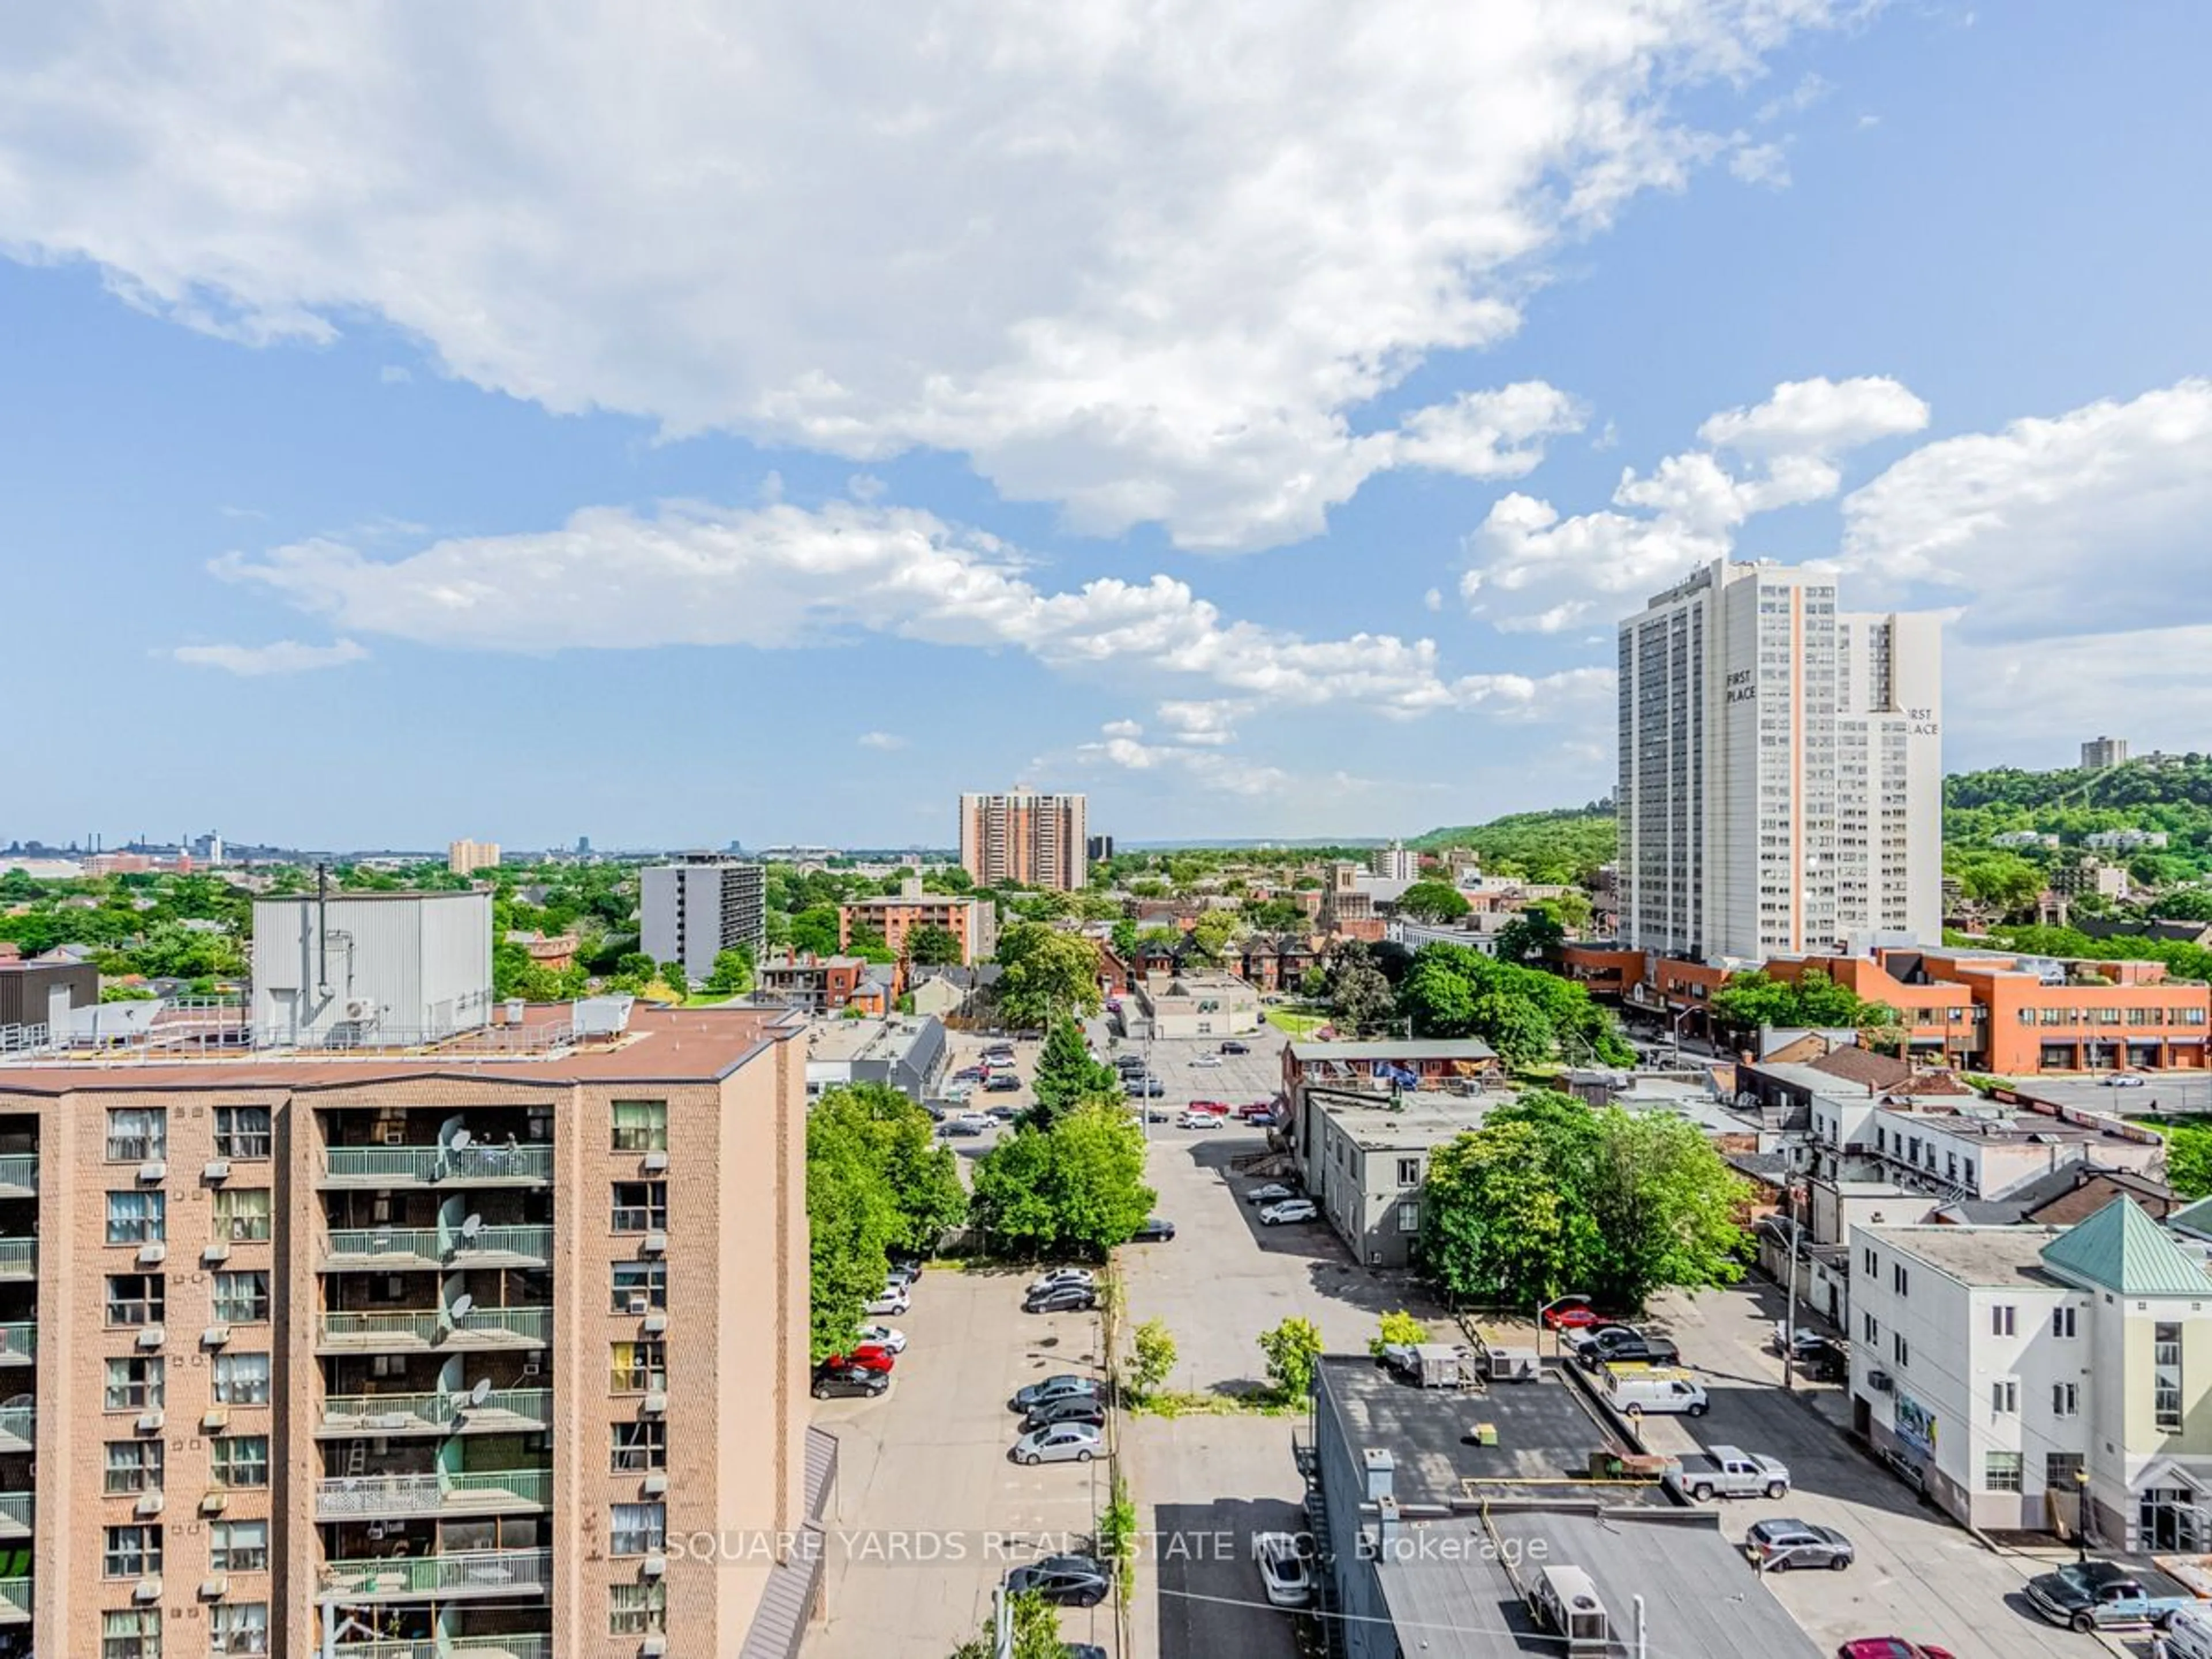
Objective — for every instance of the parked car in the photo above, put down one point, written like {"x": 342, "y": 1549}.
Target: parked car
{"x": 1220, "y": 1107}
{"x": 1062, "y": 1299}
{"x": 1257, "y": 1111}
{"x": 2123, "y": 1080}
{"x": 1001, "y": 1083}
{"x": 850, "y": 1382}
{"x": 1155, "y": 1229}
{"x": 1575, "y": 1316}
{"x": 905, "y": 1269}
{"x": 1059, "y": 1276}
{"x": 889, "y": 1338}
{"x": 1077, "y": 1581}
{"x": 892, "y": 1299}
{"x": 865, "y": 1356}
{"x": 1291, "y": 1209}
{"x": 1029, "y": 1397}
{"x": 1062, "y": 1443}
{"x": 1780, "y": 1546}
{"x": 1068, "y": 1408}
{"x": 1129, "y": 1063}
{"x": 1198, "y": 1120}
{"x": 1004, "y": 1112}
{"x": 2088, "y": 1595}
{"x": 971, "y": 1074}
{"x": 959, "y": 1128}
{"x": 1272, "y": 1192}
{"x": 1282, "y": 1573}
{"x": 977, "y": 1121}
{"x": 1802, "y": 1343}
{"x": 1623, "y": 1344}
{"x": 1889, "y": 1647}
{"x": 1151, "y": 1088}
{"x": 1207, "y": 1062}
{"x": 1730, "y": 1472}
{"x": 1235, "y": 1048}
{"x": 1081, "y": 1650}
{"x": 1635, "y": 1390}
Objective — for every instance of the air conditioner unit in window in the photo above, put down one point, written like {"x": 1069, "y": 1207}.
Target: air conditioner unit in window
{"x": 150, "y": 1422}
{"x": 640, "y": 1305}
{"x": 152, "y": 1256}
{"x": 215, "y": 1254}
{"x": 215, "y": 1503}
{"x": 216, "y": 1172}
{"x": 654, "y": 1647}
{"x": 654, "y": 1324}
{"x": 1878, "y": 1382}
{"x": 655, "y": 1404}
{"x": 654, "y": 1566}
{"x": 214, "y": 1590}
{"x": 147, "y": 1590}
{"x": 655, "y": 1485}
{"x": 214, "y": 1418}
{"x": 655, "y": 1163}
{"x": 152, "y": 1336}
{"x": 150, "y": 1504}
{"x": 215, "y": 1336}
{"x": 655, "y": 1244}
{"x": 153, "y": 1168}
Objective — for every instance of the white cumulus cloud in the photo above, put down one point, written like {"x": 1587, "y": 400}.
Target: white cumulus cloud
{"x": 280, "y": 657}
{"x": 1146, "y": 270}
{"x": 885, "y": 741}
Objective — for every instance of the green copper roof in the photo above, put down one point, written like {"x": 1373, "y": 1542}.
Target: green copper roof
{"x": 2122, "y": 1250}
{"x": 2196, "y": 1219}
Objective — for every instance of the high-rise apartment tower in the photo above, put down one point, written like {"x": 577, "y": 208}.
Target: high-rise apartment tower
{"x": 1036, "y": 840}
{"x": 1781, "y": 770}
{"x": 693, "y": 911}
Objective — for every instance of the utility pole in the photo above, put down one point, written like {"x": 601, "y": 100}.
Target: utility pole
{"x": 1790, "y": 1295}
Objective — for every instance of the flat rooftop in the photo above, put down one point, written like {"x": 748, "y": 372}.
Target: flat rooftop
{"x": 2022, "y": 1128}
{"x": 863, "y": 1039}
{"x": 1996, "y": 1256}
{"x": 1434, "y": 1048}
{"x": 1422, "y": 1119}
{"x": 1545, "y": 1432}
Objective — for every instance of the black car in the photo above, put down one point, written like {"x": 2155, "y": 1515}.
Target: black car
{"x": 1128, "y": 1062}
{"x": 953, "y": 1127}
{"x": 1635, "y": 1349}
{"x": 1001, "y": 1083}
{"x": 1067, "y": 1581}
{"x": 1157, "y": 1229}
{"x": 850, "y": 1382}
{"x": 1068, "y": 1408}
{"x": 1236, "y": 1048}
{"x": 1066, "y": 1385}
{"x": 1062, "y": 1299}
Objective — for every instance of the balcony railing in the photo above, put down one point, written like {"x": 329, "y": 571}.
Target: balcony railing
{"x": 422, "y": 1166}
{"x": 19, "y": 1427}
{"x": 514, "y": 1410}
{"x": 517, "y": 1644}
{"x": 451, "y": 1576}
{"x": 481, "y": 1327}
{"x": 15, "y": 1600}
{"x": 434, "y": 1247}
{"x": 19, "y": 1258}
{"x": 346, "y": 1496}
{"x": 19, "y": 1343}
{"x": 19, "y": 1174}
{"x": 15, "y": 1512}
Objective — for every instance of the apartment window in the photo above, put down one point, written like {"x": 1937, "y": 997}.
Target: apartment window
{"x": 1900, "y": 1280}
{"x": 641, "y": 1206}
{"x": 242, "y": 1298}
{"x": 1409, "y": 1172}
{"x": 1900, "y": 1351}
{"x": 237, "y": 1627}
{"x": 1409, "y": 1217}
{"x": 638, "y": 1529}
{"x": 638, "y": 1285}
{"x": 638, "y": 1609}
{"x": 137, "y": 1298}
{"x": 241, "y": 1214}
{"x": 133, "y": 1466}
{"x": 2062, "y": 1322}
{"x": 638, "y": 1367}
{"x": 1871, "y": 1263}
{"x": 2001, "y": 1314}
{"x": 2062, "y": 1471}
{"x": 131, "y": 1552}
{"x": 1870, "y": 1328}
{"x": 133, "y": 1385}
{"x": 238, "y": 1547}
{"x": 2004, "y": 1396}
{"x": 241, "y": 1379}
{"x": 639, "y": 1445}
{"x": 137, "y": 1218}
{"x": 2000, "y": 1471}
{"x": 130, "y": 1634}
{"x": 239, "y": 1460}
{"x": 2165, "y": 1378}
{"x": 2065, "y": 1399}
{"x": 242, "y": 1132}
{"x": 641, "y": 1125}
{"x": 136, "y": 1134}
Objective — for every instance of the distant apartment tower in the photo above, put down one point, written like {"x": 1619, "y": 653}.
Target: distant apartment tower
{"x": 2103, "y": 754}
{"x": 1099, "y": 849}
{"x": 691, "y": 911}
{"x": 1396, "y": 862}
{"x": 1037, "y": 841}
{"x": 1780, "y": 769}
{"x": 464, "y": 858}
{"x": 972, "y": 923}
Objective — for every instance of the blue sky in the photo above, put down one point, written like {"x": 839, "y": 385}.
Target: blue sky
{"x": 753, "y": 426}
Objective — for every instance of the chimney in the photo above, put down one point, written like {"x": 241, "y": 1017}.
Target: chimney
{"x": 1386, "y": 1521}
{"x": 1382, "y": 1476}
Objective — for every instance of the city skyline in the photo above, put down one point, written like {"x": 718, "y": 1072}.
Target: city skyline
{"x": 517, "y": 518}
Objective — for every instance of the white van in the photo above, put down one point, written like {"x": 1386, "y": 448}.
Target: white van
{"x": 2189, "y": 1634}
{"x": 1635, "y": 1390}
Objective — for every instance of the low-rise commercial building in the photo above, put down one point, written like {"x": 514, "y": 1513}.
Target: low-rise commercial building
{"x": 973, "y": 922}
{"x": 1197, "y": 1004}
{"x": 1367, "y": 1160}
{"x": 908, "y": 1054}
{"x": 2013, "y": 1369}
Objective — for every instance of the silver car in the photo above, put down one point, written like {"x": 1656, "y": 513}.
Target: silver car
{"x": 1062, "y": 1443}
{"x": 1778, "y": 1546}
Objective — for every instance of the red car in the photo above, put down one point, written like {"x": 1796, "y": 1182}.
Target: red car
{"x": 1219, "y": 1108}
{"x": 869, "y": 1356}
{"x": 1259, "y": 1111}
{"x": 1889, "y": 1647}
{"x": 1575, "y": 1316}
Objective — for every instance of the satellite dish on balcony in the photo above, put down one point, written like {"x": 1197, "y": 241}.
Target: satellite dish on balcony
{"x": 481, "y": 1392}
{"x": 448, "y": 1129}
{"x": 461, "y": 1139}
{"x": 462, "y": 1304}
{"x": 471, "y": 1225}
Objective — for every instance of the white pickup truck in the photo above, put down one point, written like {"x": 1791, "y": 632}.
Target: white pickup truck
{"x": 1730, "y": 1471}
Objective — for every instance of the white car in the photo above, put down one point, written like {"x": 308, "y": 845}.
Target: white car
{"x": 1283, "y": 1572}
{"x": 1274, "y": 1193}
{"x": 1062, "y": 1443}
{"x": 1207, "y": 1062}
{"x": 2123, "y": 1080}
{"x": 1059, "y": 1276}
{"x": 1291, "y": 1209}
{"x": 1198, "y": 1121}
{"x": 889, "y": 1338}
{"x": 977, "y": 1121}
{"x": 893, "y": 1299}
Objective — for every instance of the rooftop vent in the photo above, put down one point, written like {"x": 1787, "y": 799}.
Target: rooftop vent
{"x": 1568, "y": 1602}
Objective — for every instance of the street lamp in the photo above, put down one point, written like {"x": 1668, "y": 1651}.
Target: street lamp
{"x": 2081, "y": 1515}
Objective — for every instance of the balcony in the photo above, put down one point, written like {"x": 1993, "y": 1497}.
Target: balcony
{"x": 480, "y": 1328}
{"x": 515, "y": 1645}
{"x": 472, "y": 1165}
{"x": 15, "y": 1515}
{"x": 343, "y": 1497}
{"x": 19, "y": 1344}
{"x": 505, "y": 1411}
{"x": 19, "y": 1258}
{"x": 19, "y": 1174}
{"x": 463, "y": 1575}
{"x": 382, "y": 1249}
{"x": 15, "y": 1600}
{"x": 18, "y": 1428}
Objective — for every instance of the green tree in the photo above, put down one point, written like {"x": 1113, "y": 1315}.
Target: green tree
{"x": 635, "y": 964}
{"x": 1498, "y": 1223}
{"x": 1398, "y": 1330}
{"x": 1756, "y": 1000}
{"x": 1124, "y": 938}
{"x": 814, "y": 931}
{"x": 1153, "y": 1357}
{"x": 1036, "y": 1633}
{"x": 2189, "y": 1160}
{"x": 1014, "y": 1199}
{"x": 1433, "y": 901}
{"x": 1526, "y": 1015}
{"x": 868, "y": 945}
{"x": 932, "y": 946}
{"x": 1360, "y": 1000}
{"x": 1077, "y": 1186}
{"x": 1213, "y": 934}
{"x": 1066, "y": 1075}
{"x": 733, "y": 973}
{"x": 1279, "y": 915}
{"x": 1535, "y": 935}
{"x": 1045, "y": 973}
{"x": 676, "y": 976}
{"x": 877, "y": 1179}
{"x": 1293, "y": 1352}
{"x": 1667, "y": 1206}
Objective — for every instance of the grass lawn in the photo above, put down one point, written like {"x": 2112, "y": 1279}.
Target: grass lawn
{"x": 708, "y": 998}
{"x": 1295, "y": 1024}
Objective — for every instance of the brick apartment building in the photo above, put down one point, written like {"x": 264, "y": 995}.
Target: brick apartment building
{"x": 443, "y": 1350}
{"x": 973, "y": 922}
